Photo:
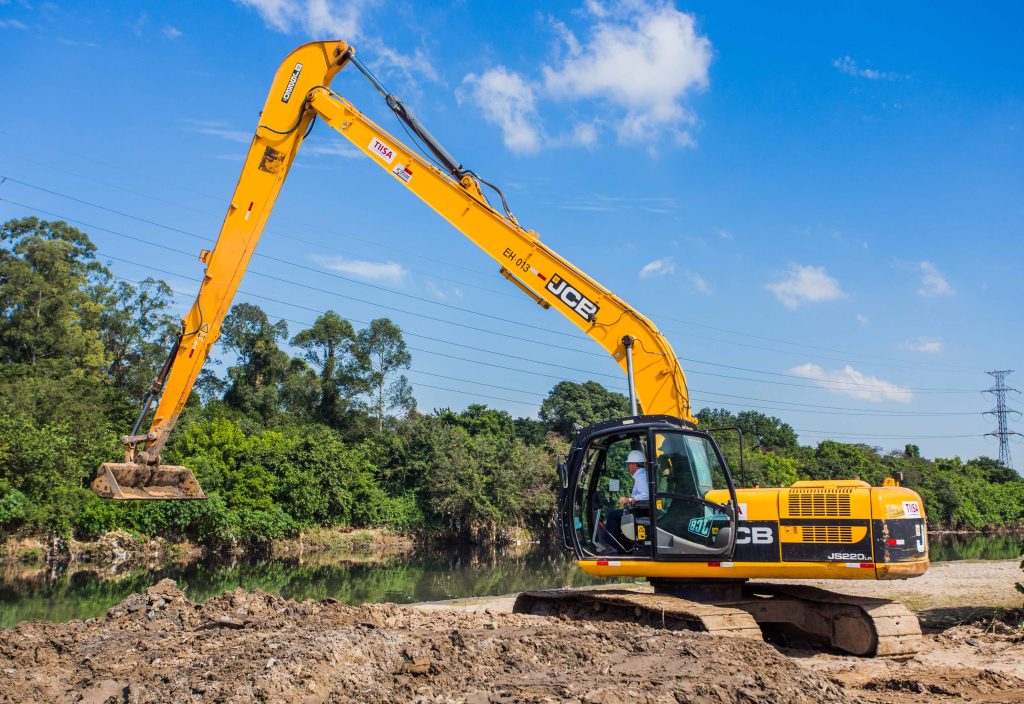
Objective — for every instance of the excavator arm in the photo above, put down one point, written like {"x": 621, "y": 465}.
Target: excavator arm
{"x": 299, "y": 94}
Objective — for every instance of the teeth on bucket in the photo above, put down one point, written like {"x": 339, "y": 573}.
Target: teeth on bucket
{"x": 139, "y": 482}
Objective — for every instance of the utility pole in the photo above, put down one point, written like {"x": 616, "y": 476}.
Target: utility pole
{"x": 1001, "y": 412}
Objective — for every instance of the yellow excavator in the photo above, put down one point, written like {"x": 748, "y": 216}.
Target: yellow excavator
{"x": 687, "y": 528}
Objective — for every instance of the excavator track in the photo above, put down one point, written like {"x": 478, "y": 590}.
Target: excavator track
{"x": 857, "y": 625}
{"x": 658, "y": 610}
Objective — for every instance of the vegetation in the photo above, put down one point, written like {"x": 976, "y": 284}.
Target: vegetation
{"x": 325, "y": 432}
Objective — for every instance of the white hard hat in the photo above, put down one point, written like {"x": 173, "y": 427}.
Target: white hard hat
{"x": 635, "y": 456}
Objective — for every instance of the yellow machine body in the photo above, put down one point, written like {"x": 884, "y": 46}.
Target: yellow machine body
{"x": 812, "y": 530}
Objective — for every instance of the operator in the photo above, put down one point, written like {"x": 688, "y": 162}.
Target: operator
{"x": 635, "y": 461}
{"x": 641, "y": 491}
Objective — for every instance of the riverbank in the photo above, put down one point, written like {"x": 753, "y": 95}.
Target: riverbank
{"x": 120, "y": 549}
{"x": 242, "y": 646}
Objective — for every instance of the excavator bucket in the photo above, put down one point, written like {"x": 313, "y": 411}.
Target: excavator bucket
{"x": 136, "y": 481}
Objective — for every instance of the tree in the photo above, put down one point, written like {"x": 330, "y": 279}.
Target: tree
{"x": 767, "y": 432}
{"x": 255, "y": 381}
{"x": 382, "y": 354}
{"x": 570, "y": 404}
{"x": 330, "y": 346}
{"x": 49, "y": 302}
{"x": 137, "y": 333}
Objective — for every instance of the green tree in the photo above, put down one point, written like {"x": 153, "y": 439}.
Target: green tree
{"x": 766, "y": 432}
{"x": 330, "y": 347}
{"x": 383, "y": 354}
{"x": 49, "y": 298}
{"x": 137, "y": 333}
{"x": 262, "y": 365}
{"x": 570, "y": 405}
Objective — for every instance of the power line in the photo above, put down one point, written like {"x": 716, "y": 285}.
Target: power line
{"x": 903, "y": 364}
{"x": 533, "y": 403}
{"x": 221, "y": 200}
{"x": 907, "y": 364}
{"x": 712, "y": 399}
{"x": 822, "y": 384}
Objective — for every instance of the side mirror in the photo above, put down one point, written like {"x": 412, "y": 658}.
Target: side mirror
{"x": 563, "y": 474}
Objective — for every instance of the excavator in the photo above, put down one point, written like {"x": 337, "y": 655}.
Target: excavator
{"x": 696, "y": 537}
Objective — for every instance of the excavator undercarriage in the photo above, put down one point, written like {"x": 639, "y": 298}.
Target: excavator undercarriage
{"x": 781, "y": 613}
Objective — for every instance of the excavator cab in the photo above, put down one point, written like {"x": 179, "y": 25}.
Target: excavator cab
{"x": 684, "y": 470}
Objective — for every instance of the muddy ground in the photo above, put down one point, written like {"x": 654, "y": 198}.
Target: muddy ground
{"x": 244, "y": 647}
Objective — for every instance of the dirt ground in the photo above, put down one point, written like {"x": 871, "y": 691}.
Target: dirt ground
{"x": 245, "y": 647}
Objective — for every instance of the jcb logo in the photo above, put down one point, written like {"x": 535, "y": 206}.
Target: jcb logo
{"x": 583, "y": 306}
{"x": 757, "y": 535}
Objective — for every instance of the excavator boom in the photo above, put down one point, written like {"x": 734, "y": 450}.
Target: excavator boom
{"x": 300, "y": 93}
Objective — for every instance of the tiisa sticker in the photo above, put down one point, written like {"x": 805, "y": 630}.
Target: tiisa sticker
{"x": 403, "y": 172}
{"x": 911, "y": 509}
{"x": 382, "y": 150}
{"x": 741, "y": 512}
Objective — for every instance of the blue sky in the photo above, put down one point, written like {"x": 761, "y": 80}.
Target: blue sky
{"x": 819, "y": 205}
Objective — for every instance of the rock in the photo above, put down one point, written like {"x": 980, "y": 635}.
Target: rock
{"x": 222, "y": 622}
{"x": 103, "y": 691}
{"x": 418, "y": 666}
{"x": 973, "y": 641}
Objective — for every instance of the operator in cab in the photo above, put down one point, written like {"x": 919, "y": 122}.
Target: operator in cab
{"x": 641, "y": 489}
{"x": 613, "y": 537}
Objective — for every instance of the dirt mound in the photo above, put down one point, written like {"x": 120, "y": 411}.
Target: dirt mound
{"x": 240, "y": 647}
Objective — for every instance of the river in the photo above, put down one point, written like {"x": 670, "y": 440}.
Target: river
{"x": 28, "y": 594}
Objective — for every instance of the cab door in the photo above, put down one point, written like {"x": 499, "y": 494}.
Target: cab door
{"x": 595, "y": 520}
{"x": 686, "y": 468}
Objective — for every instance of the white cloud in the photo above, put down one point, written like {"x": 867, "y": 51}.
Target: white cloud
{"x": 330, "y": 148}
{"x": 933, "y": 283}
{"x": 863, "y": 319}
{"x": 215, "y": 128}
{"x": 444, "y": 293}
{"x": 76, "y": 42}
{"x": 12, "y": 24}
{"x": 640, "y": 58}
{"x": 390, "y": 272}
{"x": 315, "y": 17}
{"x": 659, "y": 267}
{"x": 699, "y": 283}
{"x": 724, "y": 234}
{"x": 850, "y": 382}
{"x": 637, "y": 64}
{"x": 319, "y": 19}
{"x": 926, "y": 345}
{"x": 508, "y": 101}
{"x": 806, "y": 284}
{"x": 849, "y": 66}
{"x": 171, "y": 32}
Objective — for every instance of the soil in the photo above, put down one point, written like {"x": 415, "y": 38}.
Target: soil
{"x": 243, "y": 647}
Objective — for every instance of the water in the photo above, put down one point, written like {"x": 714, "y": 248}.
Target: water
{"x": 29, "y": 594}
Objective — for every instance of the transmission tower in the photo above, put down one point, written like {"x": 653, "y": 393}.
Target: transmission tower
{"x": 1001, "y": 412}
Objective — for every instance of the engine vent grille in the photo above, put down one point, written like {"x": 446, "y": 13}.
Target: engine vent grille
{"x": 826, "y": 534}
{"x": 819, "y": 504}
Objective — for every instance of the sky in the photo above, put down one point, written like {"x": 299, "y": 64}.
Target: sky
{"x": 819, "y": 204}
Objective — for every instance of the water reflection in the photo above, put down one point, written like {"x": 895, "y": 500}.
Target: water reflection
{"x": 943, "y": 547}
{"x": 421, "y": 576}
{"x": 29, "y": 594}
